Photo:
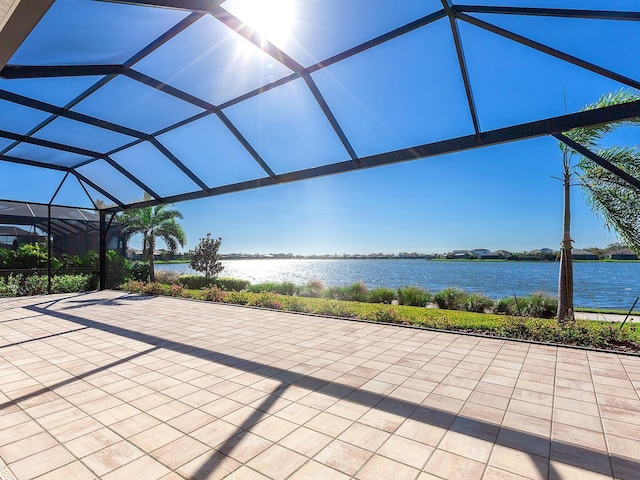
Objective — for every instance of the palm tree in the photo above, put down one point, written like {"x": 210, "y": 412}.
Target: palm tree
{"x": 610, "y": 197}
{"x": 154, "y": 222}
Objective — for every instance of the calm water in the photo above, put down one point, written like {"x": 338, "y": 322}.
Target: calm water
{"x": 612, "y": 285}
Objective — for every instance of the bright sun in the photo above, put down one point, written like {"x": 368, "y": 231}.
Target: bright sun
{"x": 273, "y": 19}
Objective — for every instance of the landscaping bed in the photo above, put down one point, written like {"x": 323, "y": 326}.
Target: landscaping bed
{"x": 580, "y": 333}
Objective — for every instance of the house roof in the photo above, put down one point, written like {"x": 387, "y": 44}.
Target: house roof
{"x": 113, "y": 104}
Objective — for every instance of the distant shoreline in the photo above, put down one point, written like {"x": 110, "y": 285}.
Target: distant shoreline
{"x": 457, "y": 260}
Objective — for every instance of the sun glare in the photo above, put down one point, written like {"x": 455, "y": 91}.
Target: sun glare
{"x": 272, "y": 19}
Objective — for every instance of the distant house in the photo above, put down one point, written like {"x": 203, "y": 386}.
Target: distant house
{"x": 460, "y": 254}
{"x": 546, "y": 250}
{"x": 480, "y": 252}
{"x": 624, "y": 254}
{"x": 579, "y": 254}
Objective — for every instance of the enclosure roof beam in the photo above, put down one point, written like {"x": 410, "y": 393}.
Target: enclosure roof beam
{"x": 523, "y": 131}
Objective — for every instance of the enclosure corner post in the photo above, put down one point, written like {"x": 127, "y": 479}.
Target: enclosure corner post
{"x": 49, "y": 249}
{"x": 103, "y": 251}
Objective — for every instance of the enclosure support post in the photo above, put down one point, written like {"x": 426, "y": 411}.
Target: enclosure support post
{"x": 49, "y": 249}
{"x": 103, "y": 251}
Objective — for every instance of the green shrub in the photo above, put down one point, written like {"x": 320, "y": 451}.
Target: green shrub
{"x": 237, "y": 298}
{"x": 536, "y": 305}
{"x": 541, "y": 306}
{"x": 508, "y": 306}
{"x": 213, "y": 294}
{"x": 6, "y": 258}
{"x": 35, "y": 285}
{"x": 177, "y": 290}
{"x": 334, "y": 308}
{"x": 477, "y": 302}
{"x": 133, "y": 286}
{"x": 451, "y": 299}
{"x": 356, "y": 292}
{"x": 166, "y": 277}
{"x": 575, "y": 332}
{"x": 266, "y": 300}
{"x": 117, "y": 269}
{"x": 313, "y": 288}
{"x": 18, "y": 285}
{"x": 70, "y": 283}
{"x": 414, "y": 296}
{"x": 10, "y": 286}
{"x": 231, "y": 284}
{"x": 381, "y": 295}
{"x": 140, "y": 271}
{"x": 283, "y": 288}
{"x": 153, "y": 288}
{"x": 383, "y": 313}
{"x": 294, "y": 304}
{"x": 31, "y": 256}
{"x": 195, "y": 282}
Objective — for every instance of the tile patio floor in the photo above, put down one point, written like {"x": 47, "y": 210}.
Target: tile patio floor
{"x": 116, "y": 386}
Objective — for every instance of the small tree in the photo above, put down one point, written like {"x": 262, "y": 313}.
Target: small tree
{"x": 205, "y": 257}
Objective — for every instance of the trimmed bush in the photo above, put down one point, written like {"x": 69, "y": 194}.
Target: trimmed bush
{"x": 238, "y": 298}
{"x": 195, "y": 282}
{"x": 213, "y": 294}
{"x": 334, "y": 308}
{"x": 266, "y": 300}
{"x": 140, "y": 271}
{"x": 356, "y": 292}
{"x": 232, "y": 284}
{"x": 384, "y": 313}
{"x": 72, "y": 283}
{"x": 477, "y": 302}
{"x": 508, "y": 306}
{"x": 18, "y": 285}
{"x": 381, "y": 295}
{"x": 450, "y": 299}
{"x": 414, "y": 296}
{"x": 313, "y": 288}
{"x": 541, "y": 306}
{"x": 167, "y": 277}
{"x": 537, "y": 305}
{"x": 284, "y": 288}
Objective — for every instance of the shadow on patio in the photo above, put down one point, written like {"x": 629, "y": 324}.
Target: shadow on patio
{"x": 494, "y": 436}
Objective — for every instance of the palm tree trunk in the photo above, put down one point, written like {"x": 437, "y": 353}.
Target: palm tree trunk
{"x": 565, "y": 278}
{"x": 151, "y": 244}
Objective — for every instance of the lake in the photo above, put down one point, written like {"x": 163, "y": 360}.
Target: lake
{"x": 601, "y": 284}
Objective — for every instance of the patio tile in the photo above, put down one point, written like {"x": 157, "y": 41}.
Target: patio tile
{"x": 112, "y": 457}
{"x": 26, "y": 447}
{"x": 338, "y": 399}
{"x": 155, "y": 437}
{"x": 180, "y": 451}
{"x": 210, "y": 465}
{"x": 520, "y": 463}
{"x": 75, "y": 470}
{"x": 40, "y": 463}
{"x": 447, "y": 465}
{"x": 383, "y": 467}
{"x": 277, "y": 462}
{"x": 344, "y": 457}
{"x": 91, "y": 442}
{"x": 134, "y": 425}
{"x": 305, "y": 441}
{"x": 364, "y": 436}
{"x": 318, "y": 471}
{"x": 143, "y": 468}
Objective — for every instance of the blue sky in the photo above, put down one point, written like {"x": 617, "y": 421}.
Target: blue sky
{"x": 400, "y": 94}
{"x": 498, "y": 197}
